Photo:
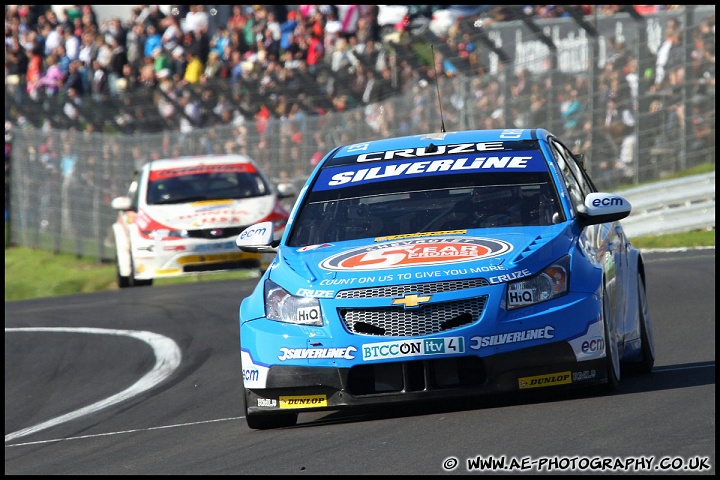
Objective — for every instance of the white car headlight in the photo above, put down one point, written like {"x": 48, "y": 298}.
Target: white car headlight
{"x": 552, "y": 282}
{"x": 283, "y": 307}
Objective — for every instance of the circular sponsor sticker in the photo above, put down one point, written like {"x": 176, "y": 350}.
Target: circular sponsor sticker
{"x": 419, "y": 252}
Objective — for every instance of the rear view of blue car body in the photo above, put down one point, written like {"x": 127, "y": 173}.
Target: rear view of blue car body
{"x": 441, "y": 266}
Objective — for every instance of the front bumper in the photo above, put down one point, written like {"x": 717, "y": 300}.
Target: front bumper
{"x": 179, "y": 264}
{"x": 301, "y": 388}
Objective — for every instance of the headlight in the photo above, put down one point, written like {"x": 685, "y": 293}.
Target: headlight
{"x": 283, "y": 307}
{"x": 551, "y": 283}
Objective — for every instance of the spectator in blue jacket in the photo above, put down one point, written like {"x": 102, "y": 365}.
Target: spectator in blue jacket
{"x": 154, "y": 39}
{"x": 287, "y": 30}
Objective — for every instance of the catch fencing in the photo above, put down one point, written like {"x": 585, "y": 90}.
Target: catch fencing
{"x": 62, "y": 181}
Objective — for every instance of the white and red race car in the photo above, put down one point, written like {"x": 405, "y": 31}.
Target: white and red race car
{"x": 181, "y": 216}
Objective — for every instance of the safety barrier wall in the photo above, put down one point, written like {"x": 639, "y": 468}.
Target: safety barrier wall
{"x": 672, "y": 206}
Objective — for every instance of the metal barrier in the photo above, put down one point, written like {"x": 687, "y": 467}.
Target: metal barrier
{"x": 672, "y": 206}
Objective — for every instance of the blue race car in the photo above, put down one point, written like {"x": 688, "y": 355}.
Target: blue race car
{"x": 438, "y": 266}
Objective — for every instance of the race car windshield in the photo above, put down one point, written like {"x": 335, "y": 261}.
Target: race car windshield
{"x": 205, "y": 186}
{"x": 427, "y": 204}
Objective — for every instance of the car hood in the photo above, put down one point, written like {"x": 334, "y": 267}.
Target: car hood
{"x": 212, "y": 213}
{"x": 421, "y": 258}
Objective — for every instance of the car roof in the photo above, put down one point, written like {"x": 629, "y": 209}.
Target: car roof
{"x": 443, "y": 138}
{"x": 180, "y": 162}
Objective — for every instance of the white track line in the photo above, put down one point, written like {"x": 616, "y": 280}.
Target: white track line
{"x": 135, "y": 430}
{"x": 167, "y": 359}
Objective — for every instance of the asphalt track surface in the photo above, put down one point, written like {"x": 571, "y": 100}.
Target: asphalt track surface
{"x": 147, "y": 381}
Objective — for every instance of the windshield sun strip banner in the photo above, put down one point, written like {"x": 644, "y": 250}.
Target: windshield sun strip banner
{"x": 364, "y": 173}
{"x": 201, "y": 169}
{"x": 378, "y": 150}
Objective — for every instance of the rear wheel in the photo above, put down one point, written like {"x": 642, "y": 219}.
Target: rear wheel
{"x": 646, "y": 336}
{"x": 612, "y": 355}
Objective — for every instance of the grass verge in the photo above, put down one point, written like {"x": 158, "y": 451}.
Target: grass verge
{"x": 33, "y": 273}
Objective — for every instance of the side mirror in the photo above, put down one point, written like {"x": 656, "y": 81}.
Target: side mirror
{"x": 121, "y": 203}
{"x": 257, "y": 238}
{"x": 603, "y": 207}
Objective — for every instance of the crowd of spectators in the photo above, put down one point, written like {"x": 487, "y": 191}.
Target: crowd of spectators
{"x": 196, "y": 67}
{"x": 259, "y": 50}
{"x": 275, "y": 61}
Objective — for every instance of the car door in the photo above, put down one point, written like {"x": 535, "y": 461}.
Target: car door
{"x": 624, "y": 277}
{"x": 608, "y": 239}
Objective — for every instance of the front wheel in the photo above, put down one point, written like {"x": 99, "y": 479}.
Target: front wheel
{"x": 612, "y": 355}
{"x": 123, "y": 282}
{"x": 646, "y": 336}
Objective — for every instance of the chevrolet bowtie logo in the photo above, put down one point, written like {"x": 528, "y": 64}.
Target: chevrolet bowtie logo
{"x": 412, "y": 300}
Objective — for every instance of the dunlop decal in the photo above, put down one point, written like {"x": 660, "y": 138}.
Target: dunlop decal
{"x": 304, "y": 401}
{"x": 549, "y": 380}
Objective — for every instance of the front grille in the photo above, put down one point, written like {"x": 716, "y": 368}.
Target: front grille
{"x": 419, "y": 288}
{"x": 424, "y": 320}
{"x": 416, "y": 376}
{"x": 215, "y": 233}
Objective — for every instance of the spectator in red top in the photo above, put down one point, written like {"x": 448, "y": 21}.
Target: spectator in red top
{"x": 317, "y": 24}
{"x": 34, "y": 73}
{"x": 315, "y": 53}
{"x": 237, "y": 20}
{"x": 262, "y": 118}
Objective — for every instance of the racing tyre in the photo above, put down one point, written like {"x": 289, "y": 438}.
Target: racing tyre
{"x": 646, "y": 336}
{"x": 612, "y": 355}
{"x": 123, "y": 282}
